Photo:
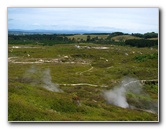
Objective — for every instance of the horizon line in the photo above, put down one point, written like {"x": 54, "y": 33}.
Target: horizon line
{"x": 76, "y": 31}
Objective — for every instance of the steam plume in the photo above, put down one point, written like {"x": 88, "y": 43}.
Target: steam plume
{"x": 117, "y": 95}
{"x": 38, "y": 76}
{"x": 47, "y": 80}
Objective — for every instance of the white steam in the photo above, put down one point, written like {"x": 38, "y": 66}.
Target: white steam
{"x": 138, "y": 98}
{"x": 117, "y": 95}
{"x": 37, "y": 76}
{"x": 48, "y": 84}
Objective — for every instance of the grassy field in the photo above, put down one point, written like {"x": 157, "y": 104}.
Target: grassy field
{"x": 124, "y": 38}
{"x": 86, "y": 72}
{"x": 119, "y": 38}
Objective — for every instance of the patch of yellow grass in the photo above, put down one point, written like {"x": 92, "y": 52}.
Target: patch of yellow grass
{"x": 123, "y": 38}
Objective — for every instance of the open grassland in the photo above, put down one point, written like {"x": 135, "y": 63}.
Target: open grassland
{"x": 124, "y": 38}
{"x": 152, "y": 38}
{"x": 118, "y": 38}
{"x": 85, "y": 71}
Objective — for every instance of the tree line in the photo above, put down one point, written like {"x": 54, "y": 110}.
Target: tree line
{"x": 51, "y": 39}
{"x": 44, "y": 39}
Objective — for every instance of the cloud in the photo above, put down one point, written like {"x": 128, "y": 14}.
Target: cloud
{"x": 36, "y": 24}
{"x": 133, "y": 19}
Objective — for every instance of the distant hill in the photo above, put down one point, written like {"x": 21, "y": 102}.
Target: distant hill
{"x": 123, "y": 38}
{"x": 152, "y": 39}
{"x": 18, "y": 31}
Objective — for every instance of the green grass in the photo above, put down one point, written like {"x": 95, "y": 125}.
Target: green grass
{"x": 28, "y": 100}
{"x": 142, "y": 58}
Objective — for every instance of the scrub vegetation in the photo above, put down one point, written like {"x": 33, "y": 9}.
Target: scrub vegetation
{"x": 66, "y": 79}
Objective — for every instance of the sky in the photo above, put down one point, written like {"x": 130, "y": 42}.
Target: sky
{"x": 128, "y": 20}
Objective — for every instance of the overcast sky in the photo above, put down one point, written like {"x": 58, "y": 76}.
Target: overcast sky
{"x": 129, "y": 20}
